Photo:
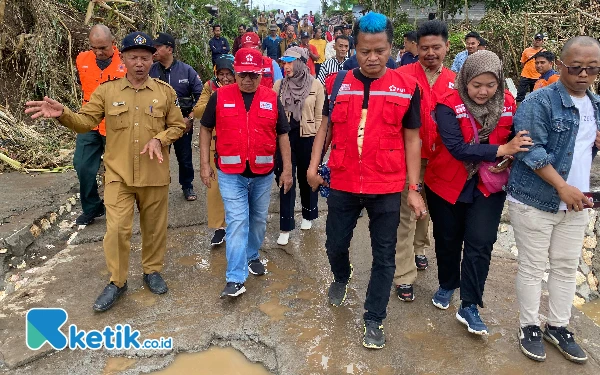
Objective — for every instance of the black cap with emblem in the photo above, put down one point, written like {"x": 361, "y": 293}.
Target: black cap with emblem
{"x": 165, "y": 40}
{"x": 137, "y": 40}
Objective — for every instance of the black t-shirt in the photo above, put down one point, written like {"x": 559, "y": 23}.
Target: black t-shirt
{"x": 350, "y": 43}
{"x": 412, "y": 117}
{"x": 209, "y": 120}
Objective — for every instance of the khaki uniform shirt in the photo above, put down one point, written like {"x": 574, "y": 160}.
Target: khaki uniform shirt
{"x": 133, "y": 117}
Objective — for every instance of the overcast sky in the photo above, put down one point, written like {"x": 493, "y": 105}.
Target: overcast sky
{"x": 303, "y": 6}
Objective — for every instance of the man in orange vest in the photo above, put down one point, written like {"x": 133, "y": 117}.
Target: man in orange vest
{"x": 98, "y": 65}
{"x": 249, "y": 121}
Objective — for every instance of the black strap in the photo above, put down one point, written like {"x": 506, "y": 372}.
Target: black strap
{"x": 534, "y": 55}
{"x": 334, "y": 92}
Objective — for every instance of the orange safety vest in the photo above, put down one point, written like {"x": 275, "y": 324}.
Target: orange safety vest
{"x": 246, "y": 136}
{"x": 91, "y": 76}
{"x": 447, "y": 176}
{"x": 381, "y": 168}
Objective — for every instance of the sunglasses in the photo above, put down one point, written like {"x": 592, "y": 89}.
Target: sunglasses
{"x": 252, "y": 76}
{"x": 576, "y": 70}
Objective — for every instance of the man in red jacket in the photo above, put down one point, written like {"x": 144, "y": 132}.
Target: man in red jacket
{"x": 270, "y": 69}
{"x": 434, "y": 80}
{"x": 375, "y": 149}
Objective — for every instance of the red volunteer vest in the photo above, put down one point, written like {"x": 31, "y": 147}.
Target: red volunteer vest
{"x": 91, "y": 76}
{"x": 429, "y": 99}
{"x": 447, "y": 176}
{"x": 381, "y": 169}
{"x": 246, "y": 136}
{"x": 267, "y": 72}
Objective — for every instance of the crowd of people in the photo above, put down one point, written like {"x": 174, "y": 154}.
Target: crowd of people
{"x": 408, "y": 139}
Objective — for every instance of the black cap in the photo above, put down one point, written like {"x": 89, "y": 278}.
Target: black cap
{"x": 539, "y": 36}
{"x": 164, "y": 39}
{"x": 348, "y": 27}
{"x": 137, "y": 40}
{"x": 304, "y": 34}
{"x": 224, "y": 62}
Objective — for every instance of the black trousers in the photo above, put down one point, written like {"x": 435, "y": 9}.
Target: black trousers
{"x": 474, "y": 225}
{"x": 384, "y": 218}
{"x": 317, "y": 69}
{"x": 301, "y": 150}
{"x": 525, "y": 86}
{"x": 89, "y": 148}
{"x": 183, "y": 151}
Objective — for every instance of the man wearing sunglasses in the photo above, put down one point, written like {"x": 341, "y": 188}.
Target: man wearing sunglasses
{"x": 546, "y": 199}
{"x": 249, "y": 121}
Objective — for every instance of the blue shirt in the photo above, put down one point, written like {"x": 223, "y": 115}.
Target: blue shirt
{"x": 277, "y": 74}
{"x": 459, "y": 60}
{"x": 408, "y": 58}
{"x": 184, "y": 80}
{"x": 352, "y": 63}
{"x": 272, "y": 47}
{"x": 218, "y": 47}
{"x": 552, "y": 120}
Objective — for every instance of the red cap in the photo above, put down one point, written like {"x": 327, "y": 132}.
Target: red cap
{"x": 250, "y": 40}
{"x": 248, "y": 60}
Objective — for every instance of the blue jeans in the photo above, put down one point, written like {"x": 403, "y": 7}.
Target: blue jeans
{"x": 246, "y": 202}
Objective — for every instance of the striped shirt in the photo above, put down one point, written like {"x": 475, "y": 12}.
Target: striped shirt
{"x": 330, "y": 66}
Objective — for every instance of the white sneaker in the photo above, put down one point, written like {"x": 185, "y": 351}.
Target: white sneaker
{"x": 283, "y": 238}
{"x": 306, "y": 224}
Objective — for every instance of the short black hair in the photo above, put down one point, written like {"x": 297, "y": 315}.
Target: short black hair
{"x": 374, "y": 20}
{"x": 342, "y": 37}
{"x": 472, "y": 34}
{"x": 401, "y": 46}
{"x": 483, "y": 42}
{"x": 547, "y": 55}
{"x": 249, "y": 30}
{"x": 242, "y": 25}
{"x": 317, "y": 28}
{"x": 411, "y": 36}
{"x": 338, "y": 28}
{"x": 433, "y": 27}
{"x": 215, "y": 26}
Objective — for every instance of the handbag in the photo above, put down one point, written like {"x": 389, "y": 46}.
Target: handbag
{"x": 493, "y": 182}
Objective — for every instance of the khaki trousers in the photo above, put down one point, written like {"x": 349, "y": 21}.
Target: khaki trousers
{"x": 214, "y": 201}
{"x": 413, "y": 237}
{"x": 546, "y": 237}
{"x": 152, "y": 202}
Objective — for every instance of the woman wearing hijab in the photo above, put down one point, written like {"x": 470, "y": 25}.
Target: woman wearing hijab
{"x": 465, "y": 203}
{"x": 302, "y": 97}
{"x": 224, "y": 75}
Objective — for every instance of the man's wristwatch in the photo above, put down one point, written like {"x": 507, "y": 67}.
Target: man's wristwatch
{"x": 418, "y": 187}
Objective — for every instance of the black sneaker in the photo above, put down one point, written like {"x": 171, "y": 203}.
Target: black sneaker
{"x": 421, "y": 262}
{"x": 405, "y": 292}
{"x": 218, "y": 237}
{"x": 565, "y": 342}
{"x": 256, "y": 267}
{"x": 530, "y": 341}
{"x": 233, "y": 290}
{"x": 373, "y": 338}
{"x": 337, "y": 293}
{"x": 88, "y": 218}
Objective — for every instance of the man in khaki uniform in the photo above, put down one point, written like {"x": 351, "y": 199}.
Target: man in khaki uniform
{"x": 139, "y": 111}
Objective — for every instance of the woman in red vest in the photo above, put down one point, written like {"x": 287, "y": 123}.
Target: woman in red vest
{"x": 465, "y": 206}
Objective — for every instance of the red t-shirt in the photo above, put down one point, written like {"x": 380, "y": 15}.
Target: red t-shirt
{"x": 310, "y": 62}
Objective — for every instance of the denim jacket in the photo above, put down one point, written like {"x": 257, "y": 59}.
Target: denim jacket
{"x": 552, "y": 121}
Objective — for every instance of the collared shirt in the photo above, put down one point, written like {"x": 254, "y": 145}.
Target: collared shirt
{"x": 271, "y": 46}
{"x": 431, "y": 75}
{"x": 285, "y": 43}
{"x": 459, "y": 60}
{"x": 133, "y": 118}
{"x": 218, "y": 47}
{"x": 546, "y": 79}
{"x": 184, "y": 79}
{"x": 330, "y": 66}
{"x": 408, "y": 58}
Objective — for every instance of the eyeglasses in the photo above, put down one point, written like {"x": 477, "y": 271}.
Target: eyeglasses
{"x": 227, "y": 75}
{"x": 252, "y": 76}
{"x": 576, "y": 70}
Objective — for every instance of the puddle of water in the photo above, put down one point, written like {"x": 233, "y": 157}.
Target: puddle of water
{"x": 115, "y": 365}
{"x": 214, "y": 361}
{"x": 494, "y": 337}
{"x": 592, "y": 310}
{"x": 307, "y": 295}
{"x": 273, "y": 309}
{"x": 144, "y": 297}
{"x": 189, "y": 260}
{"x": 277, "y": 287}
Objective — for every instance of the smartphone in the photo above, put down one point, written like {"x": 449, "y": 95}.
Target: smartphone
{"x": 594, "y": 196}
{"x": 502, "y": 163}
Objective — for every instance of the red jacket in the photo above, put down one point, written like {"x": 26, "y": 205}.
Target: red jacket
{"x": 267, "y": 72}
{"x": 91, "y": 76}
{"x": 381, "y": 168}
{"x": 447, "y": 176}
{"x": 246, "y": 136}
{"x": 429, "y": 99}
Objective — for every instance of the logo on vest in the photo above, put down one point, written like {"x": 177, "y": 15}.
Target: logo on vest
{"x": 460, "y": 109}
{"x": 393, "y": 88}
{"x": 345, "y": 87}
{"x": 450, "y": 85}
{"x": 266, "y": 105}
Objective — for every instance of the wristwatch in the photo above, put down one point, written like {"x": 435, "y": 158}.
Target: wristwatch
{"x": 418, "y": 187}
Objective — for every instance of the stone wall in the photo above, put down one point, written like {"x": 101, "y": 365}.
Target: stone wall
{"x": 589, "y": 262}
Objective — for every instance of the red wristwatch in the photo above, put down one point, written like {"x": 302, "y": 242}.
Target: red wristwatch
{"x": 417, "y": 187}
